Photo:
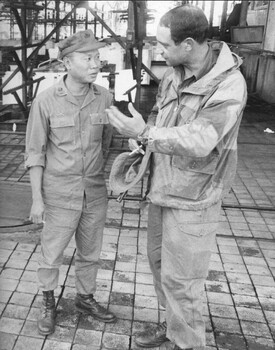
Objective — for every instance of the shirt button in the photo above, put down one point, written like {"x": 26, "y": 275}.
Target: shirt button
{"x": 84, "y": 154}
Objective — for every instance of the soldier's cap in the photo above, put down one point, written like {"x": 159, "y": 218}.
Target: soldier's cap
{"x": 79, "y": 42}
{"x": 127, "y": 170}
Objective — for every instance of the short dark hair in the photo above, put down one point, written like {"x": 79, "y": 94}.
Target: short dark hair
{"x": 186, "y": 21}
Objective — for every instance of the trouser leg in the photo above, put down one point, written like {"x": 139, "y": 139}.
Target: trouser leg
{"x": 154, "y": 243}
{"x": 188, "y": 239}
{"x": 58, "y": 230}
{"x": 88, "y": 238}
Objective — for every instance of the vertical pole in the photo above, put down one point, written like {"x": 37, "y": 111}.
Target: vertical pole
{"x": 268, "y": 40}
{"x": 45, "y": 20}
{"x": 57, "y": 8}
{"x": 223, "y": 19}
{"x": 24, "y": 42}
{"x": 95, "y": 22}
{"x": 141, "y": 7}
{"x": 243, "y": 15}
{"x": 74, "y": 22}
{"x": 102, "y": 9}
{"x": 203, "y": 5}
{"x": 86, "y": 19}
{"x": 211, "y": 16}
{"x": 129, "y": 35}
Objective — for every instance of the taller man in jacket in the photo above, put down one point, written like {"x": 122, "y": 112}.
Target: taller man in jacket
{"x": 192, "y": 134}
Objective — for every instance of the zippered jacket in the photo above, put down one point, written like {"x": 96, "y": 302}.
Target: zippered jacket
{"x": 194, "y": 137}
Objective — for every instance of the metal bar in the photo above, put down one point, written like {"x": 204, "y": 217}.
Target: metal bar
{"x": 19, "y": 22}
{"x": 31, "y": 27}
{"x": 21, "y": 105}
{"x": 41, "y": 44}
{"x": 121, "y": 42}
{"x": 57, "y": 7}
{"x": 271, "y": 53}
{"x": 10, "y": 91}
{"x": 243, "y": 15}
{"x": 18, "y": 62}
{"x": 15, "y": 48}
{"x": 36, "y": 89}
{"x": 247, "y": 207}
{"x": 107, "y": 27}
{"x": 211, "y": 14}
{"x": 224, "y": 17}
{"x": 24, "y": 41}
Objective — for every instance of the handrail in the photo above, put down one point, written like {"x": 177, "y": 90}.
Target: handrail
{"x": 242, "y": 46}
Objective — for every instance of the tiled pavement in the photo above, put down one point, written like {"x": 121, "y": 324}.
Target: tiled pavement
{"x": 240, "y": 288}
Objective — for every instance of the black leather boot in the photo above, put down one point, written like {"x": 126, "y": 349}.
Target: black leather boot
{"x": 88, "y": 305}
{"x": 46, "y": 319}
{"x": 152, "y": 338}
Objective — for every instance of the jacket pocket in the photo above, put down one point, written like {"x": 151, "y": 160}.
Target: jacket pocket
{"x": 62, "y": 128}
{"x": 97, "y": 122}
{"x": 198, "y": 229}
{"x": 192, "y": 176}
{"x": 200, "y": 222}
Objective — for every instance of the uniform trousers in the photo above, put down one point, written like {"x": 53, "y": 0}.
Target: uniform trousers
{"x": 60, "y": 225}
{"x": 180, "y": 243}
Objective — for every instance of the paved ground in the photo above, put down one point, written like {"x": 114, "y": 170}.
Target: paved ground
{"x": 240, "y": 288}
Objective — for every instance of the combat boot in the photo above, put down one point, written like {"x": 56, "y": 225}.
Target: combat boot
{"x": 46, "y": 319}
{"x": 88, "y": 305}
{"x": 152, "y": 338}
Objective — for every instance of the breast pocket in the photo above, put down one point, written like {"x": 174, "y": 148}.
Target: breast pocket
{"x": 97, "y": 122}
{"x": 62, "y": 128}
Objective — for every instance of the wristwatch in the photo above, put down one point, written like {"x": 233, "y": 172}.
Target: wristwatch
{"x": 144, "y": 135}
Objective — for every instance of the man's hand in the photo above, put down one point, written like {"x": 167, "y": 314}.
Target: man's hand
{"x": 37, "y": 211}
{"x": 130, "y": 127}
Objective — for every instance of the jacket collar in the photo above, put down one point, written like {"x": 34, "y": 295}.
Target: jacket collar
{"x": 61, "y": 90}
{"x": 226, "y": 61}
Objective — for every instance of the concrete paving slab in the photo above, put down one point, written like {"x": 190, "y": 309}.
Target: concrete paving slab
{"x": 239, "y": 292}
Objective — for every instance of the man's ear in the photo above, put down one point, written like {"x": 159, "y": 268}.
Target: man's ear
{"x": 189, "y": 44}
{"x": 67, "y": 62}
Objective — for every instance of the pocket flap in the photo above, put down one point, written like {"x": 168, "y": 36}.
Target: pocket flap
{"x": 62, "y": 121}
{"x": 199, "y": 229}
{"x": 205, "y": 165}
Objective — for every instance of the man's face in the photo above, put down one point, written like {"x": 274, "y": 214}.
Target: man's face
{"x": 83, "y": 66}
{"x": 173, "y": 54}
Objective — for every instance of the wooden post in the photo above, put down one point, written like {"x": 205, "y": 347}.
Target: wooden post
{"x": 243, "y": 15}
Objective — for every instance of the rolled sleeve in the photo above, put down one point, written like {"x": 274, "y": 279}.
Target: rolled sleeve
{"x": 34, "y": 160}
{"x": 36, "y": 137}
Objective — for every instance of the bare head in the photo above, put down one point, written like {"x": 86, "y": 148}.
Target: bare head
{"x": 181, "y": 31}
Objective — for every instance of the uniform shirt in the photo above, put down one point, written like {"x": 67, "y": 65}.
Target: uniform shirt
{"x": 66, "y": 139}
